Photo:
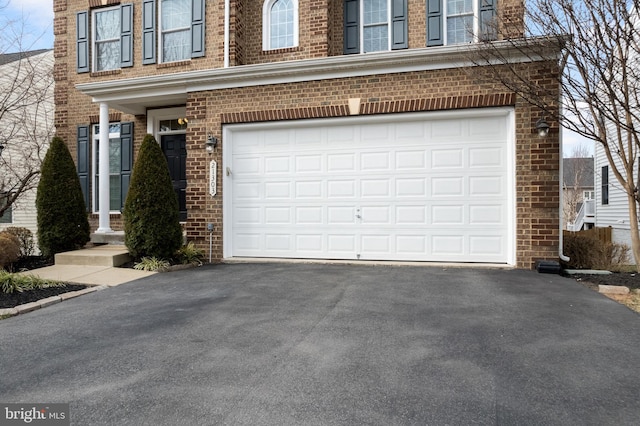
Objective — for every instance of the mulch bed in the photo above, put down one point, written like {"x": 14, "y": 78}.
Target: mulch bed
{"x": 11, "y": 300}
{"x": 631, "y": 280}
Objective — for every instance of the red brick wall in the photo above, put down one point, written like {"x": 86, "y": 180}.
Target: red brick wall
{"x": 537, "y": 160}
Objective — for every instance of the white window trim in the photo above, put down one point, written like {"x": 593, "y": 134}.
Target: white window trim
{"x": 361, "y": 27}
{"x": 154, "y": 117}
{"x": 266, "y": 25}
{"x": 161, "y": 33}
{"x": 94, "y": 51}
{"x": 95, "y": 138}
{"x": 475, "y": 5}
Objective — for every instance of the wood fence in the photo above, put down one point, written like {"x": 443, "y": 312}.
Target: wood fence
{"x": 602, "y": 234}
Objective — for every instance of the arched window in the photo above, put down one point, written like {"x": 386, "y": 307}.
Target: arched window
{"x": 279, "y": 24}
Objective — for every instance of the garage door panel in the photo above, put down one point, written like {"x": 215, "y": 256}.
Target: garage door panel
{"x": 276, "y": 165}
{"x": 309, "y": 163}
{"x": 341, "y": 188}
{"x": 426, "y": 190}
{"x": 340, "y": 163}
{"x": 275, "y": 190}
{"x": 447, "y": 214}
{"x": 447, "y": 187}
{"x": 372, "y": 188}
{"x": 485, "y": 158}
{"x": 410, "y": 160}
{"x": 411, "y": 187}
{"x": 308, "y": 189}
{"x": 447, "y": 159}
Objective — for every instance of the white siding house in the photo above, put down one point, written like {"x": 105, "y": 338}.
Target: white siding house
{"x": 612, "y": 207}
{"x": 26, "y": 131}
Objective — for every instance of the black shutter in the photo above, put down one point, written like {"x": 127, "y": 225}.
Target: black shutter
{"x": 82, "y": 41}
{"x": 399, "y": 24}
{"x": 83, "y": 162}
{"x": 149, "y": 32}
{"x": 351, "y": 26}
{"x": 488, "y": 29}
{"x": 126, "y": 35}
{"x": 197, "y": 28}
{"x": 435, "y": 36}
{"x": 126, "y": 159}
{"x": 604, "y": 176}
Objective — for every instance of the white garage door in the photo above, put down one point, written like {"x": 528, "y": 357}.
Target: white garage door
{"x": 420, "y": 187}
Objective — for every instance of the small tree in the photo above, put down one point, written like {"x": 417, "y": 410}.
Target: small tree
{"x": 62, "y": 214}
{"x": 599, "y": 79}
{"x": 151, "y": 212}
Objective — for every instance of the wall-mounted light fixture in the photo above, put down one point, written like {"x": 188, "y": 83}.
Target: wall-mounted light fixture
{"x": 542, "y": 127}
{"x": 1, "y": 149}
{"x": 211, "y": 143}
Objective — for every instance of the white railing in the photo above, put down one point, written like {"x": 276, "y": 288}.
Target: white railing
{"x": 587, "y": 214}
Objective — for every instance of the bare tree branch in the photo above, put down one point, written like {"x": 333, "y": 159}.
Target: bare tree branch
{"x": 600, "y": 79}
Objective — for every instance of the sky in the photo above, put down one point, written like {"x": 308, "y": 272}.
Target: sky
{"x": 33, "y": 17}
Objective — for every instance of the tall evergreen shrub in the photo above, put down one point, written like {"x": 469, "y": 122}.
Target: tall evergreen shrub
{"x": 151, "y": 212}
{"x": 62, "y": 215}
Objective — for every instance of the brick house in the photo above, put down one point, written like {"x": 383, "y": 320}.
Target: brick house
{"x": 344, "y": 129}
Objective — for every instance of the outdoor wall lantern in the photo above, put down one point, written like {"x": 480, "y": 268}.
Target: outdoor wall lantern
{"x": 1, "y": 149}
{"x": 211, "y": 143}
{"x": 542, "y": 127}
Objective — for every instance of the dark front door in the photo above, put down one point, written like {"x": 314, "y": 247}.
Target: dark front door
{"x": 175, "y": 150}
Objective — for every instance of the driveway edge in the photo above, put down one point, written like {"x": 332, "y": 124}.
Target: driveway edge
{"x": 43, "y": 303}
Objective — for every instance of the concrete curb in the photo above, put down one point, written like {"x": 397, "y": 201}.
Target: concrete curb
{"x": 43, "y": 303}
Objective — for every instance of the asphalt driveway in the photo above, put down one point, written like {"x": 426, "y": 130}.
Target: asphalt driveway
{"x": 309, "y": 344}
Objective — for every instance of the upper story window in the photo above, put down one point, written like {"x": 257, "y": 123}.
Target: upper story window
{"x": 279, "y": 24}
{"x": 460, "y": 21}
{"x": 181, "y": 30}
{"x": 107, "y": 43}
{"x": 106, "y": 39}
{"x": 175, "y": 19}
{"x": 375, "y": 25}
{"x": 111, "y": 38}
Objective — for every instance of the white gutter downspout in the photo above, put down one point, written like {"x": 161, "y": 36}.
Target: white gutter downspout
{"x": 226, "y": 33}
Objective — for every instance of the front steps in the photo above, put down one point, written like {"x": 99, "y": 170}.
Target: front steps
{"x": 111, "y": 238}
{"x": 104, "y": 255}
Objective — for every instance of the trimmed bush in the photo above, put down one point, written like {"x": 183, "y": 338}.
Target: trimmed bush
{"x": 151, "y": 213}
{"x": 62, "y": 214}
{"x": 25, "y": 236}
{"x": 9, "y": 249}
{"x": 591, "y": 253}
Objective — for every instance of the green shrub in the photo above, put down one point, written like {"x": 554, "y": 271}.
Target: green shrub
{"x": 151, "y": 214}
{"x": 62, "y": 214}
{"x": 10, "y": 283}
{"x": 25, "y": 236}
{"x": 9, "y": 249}
{"x": 189, "y": 253}
{"x": 591, "y": 253}
{"x": 152, "y": 264}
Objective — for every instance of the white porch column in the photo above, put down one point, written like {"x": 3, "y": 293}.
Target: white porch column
{"x": 103, "y": 171}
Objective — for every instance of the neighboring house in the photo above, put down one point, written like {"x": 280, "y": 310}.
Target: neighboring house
{"x": 578, "y": 193}
{"x": 612, "y": 206}
{"x": 27, "y": 127}
{"x": 329, "y": 129}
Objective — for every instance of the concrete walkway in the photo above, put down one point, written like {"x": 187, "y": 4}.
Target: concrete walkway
{"x": 92, "y": 266}
{"x": 91, "y": 275}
